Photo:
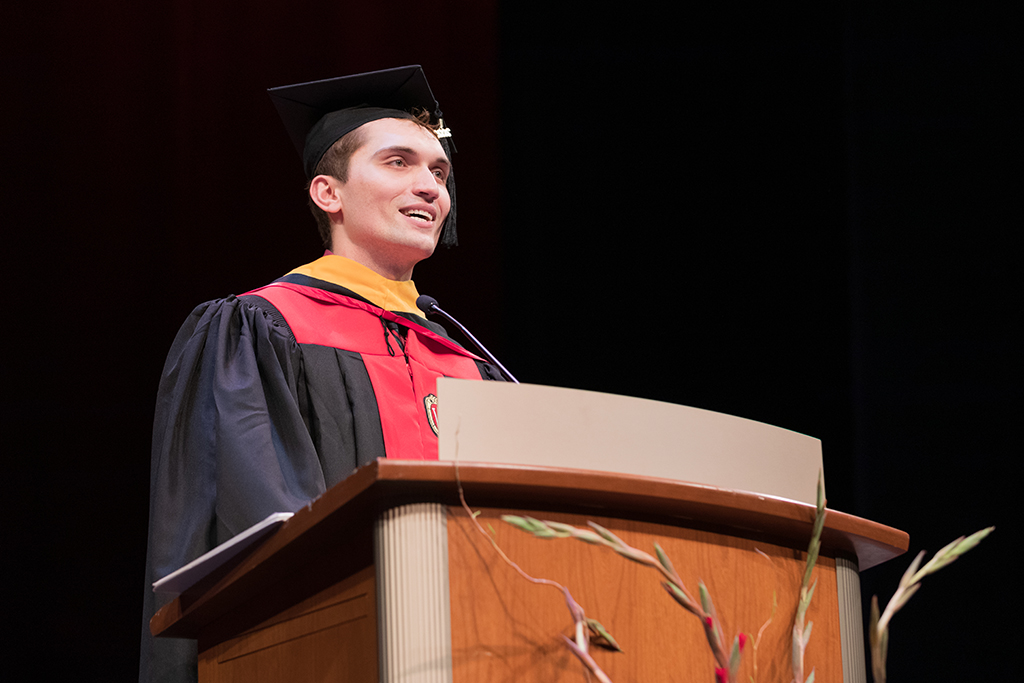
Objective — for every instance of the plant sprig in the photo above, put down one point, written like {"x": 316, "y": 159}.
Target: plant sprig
{"x": 727, "y": 662}
{"x": 878, "y": 630}
{"x": 581, "y": 623}
{"x": 801, "y": 634}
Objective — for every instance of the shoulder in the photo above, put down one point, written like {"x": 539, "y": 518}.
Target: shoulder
{"x": 222, "y": 326}
{"x": 243, "y": 311}
{"x": 256, "y": 304}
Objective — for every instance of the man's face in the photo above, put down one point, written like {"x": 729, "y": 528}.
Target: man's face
{"x": 395, "y": 200}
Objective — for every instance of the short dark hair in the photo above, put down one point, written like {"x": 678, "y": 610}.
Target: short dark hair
{"x": 335, "y": 164}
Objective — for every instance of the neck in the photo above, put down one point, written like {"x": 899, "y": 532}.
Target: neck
{"x": 384, "y": 265}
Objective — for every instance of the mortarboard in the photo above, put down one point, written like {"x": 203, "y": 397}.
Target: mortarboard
{"x": 318, "y": 113}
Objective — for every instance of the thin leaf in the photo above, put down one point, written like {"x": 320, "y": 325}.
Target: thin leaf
{"x": 812, "y": 555}
{"x": 536, "y": 523}
{"x": 878, "y": 661}
{"x": 663, "y": 559}
{"x": 709, "y": 609}
{"x": 638, "y": 556}
{"x": 805, "y": 601}
{"x": 605, "y": 534}
{"x": 587, "y": 660}
{"x": 814, "y": 546}
{"x": 595, "y": 626}
{"x": 734, "y": 657}
{"x": 802, "y": 636}
{"x": 938, "y": 561}
{"x": 952, "y": 551}
{"x": 973, "y": 540}
{"x": 908, "y": 575}
{"x": 883, "y": 649}
{"x": 561, "y": 530}
{"x": 807, "y": 634}
{"x": 879, "y": 641}
{"x": 902, "y": 599}
{"x": 810, "y": 593}
{"x": 873, "y": 624}
{"x": 516, "y": 521}
{"x": 527, "y": 524}
{"x": 705, "y": 597}
{"x": 797, "y": 652}
{"x": 588, "y": 536}
{"x": 679, "y": 596}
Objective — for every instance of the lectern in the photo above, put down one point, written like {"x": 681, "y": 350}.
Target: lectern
{"x": 387, "y": 577}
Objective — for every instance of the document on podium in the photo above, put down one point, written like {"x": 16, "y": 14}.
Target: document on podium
{"x": 178, "y": 581}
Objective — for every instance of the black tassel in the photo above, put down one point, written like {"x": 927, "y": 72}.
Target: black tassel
{"x": 449, "y": 237}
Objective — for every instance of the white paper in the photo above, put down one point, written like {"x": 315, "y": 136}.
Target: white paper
{"x": 182, "y": 579}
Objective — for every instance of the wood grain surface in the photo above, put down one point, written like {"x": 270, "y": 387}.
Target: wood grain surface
{"x": 506, "y": 629}
{"x": 331, "y": 636}
{"x": 304, "y": 555}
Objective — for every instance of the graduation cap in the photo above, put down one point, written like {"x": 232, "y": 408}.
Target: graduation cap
{"x": 319, "y": 113}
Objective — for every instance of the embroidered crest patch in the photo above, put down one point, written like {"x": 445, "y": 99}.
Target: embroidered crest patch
{"x": 430, "y": 404}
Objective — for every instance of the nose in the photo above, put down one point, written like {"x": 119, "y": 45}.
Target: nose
{"x": 426, "y": 185}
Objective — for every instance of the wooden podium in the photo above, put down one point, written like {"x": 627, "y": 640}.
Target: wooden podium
{"x": 385, "y": 578}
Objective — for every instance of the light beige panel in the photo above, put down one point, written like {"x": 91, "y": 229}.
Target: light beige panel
{"x": 526, "y": 424}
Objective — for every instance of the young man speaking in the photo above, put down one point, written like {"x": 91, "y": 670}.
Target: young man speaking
{"x": 270, "y": 398}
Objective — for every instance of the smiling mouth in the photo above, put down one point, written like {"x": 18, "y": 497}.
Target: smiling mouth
{"x": 419, "y": 215}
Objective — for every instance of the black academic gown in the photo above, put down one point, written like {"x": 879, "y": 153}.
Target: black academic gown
{"x": 250, "y": 422}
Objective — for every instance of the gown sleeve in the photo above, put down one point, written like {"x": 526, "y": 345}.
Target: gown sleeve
{"x": 231, "y": 445}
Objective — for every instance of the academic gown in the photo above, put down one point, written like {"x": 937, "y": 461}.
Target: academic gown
{"x": 270, "y": 398}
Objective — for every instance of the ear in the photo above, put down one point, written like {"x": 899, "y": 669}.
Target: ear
{"x": 325, "y": 191}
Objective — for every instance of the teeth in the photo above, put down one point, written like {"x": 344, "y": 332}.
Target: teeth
{"x": 422, "y": 215}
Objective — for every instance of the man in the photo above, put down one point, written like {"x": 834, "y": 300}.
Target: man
{"x": 270, "y": 398}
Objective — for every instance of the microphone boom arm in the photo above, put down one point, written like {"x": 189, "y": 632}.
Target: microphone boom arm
{"x": 429, "y": 305}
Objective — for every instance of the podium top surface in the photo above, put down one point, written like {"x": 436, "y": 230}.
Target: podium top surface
{"x": 530, "y": 424}
{"x": 348, "y": 510}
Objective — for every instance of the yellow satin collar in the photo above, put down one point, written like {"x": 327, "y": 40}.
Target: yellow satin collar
{"x": 388, "y": 294}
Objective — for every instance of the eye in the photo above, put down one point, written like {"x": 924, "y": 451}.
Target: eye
{"x": 398, "y": 161}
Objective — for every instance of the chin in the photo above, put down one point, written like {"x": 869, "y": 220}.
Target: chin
{"x": 412, "y": 253}
{"x": 425, "y": 248}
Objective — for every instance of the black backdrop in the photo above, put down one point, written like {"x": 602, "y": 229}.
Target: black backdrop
{"x": 803, "y": 218}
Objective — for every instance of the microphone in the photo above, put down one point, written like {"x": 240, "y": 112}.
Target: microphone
{"x": 428, "y": 305}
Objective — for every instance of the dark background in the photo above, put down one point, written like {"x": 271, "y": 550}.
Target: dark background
{"x": 801, "y": 217}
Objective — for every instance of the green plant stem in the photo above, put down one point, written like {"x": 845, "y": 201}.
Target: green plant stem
{"x": 878, "y": 630}
{"x": 802, "y": 634}
{"x": 598, "y": 535}
{"x": 580, "y": 621}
